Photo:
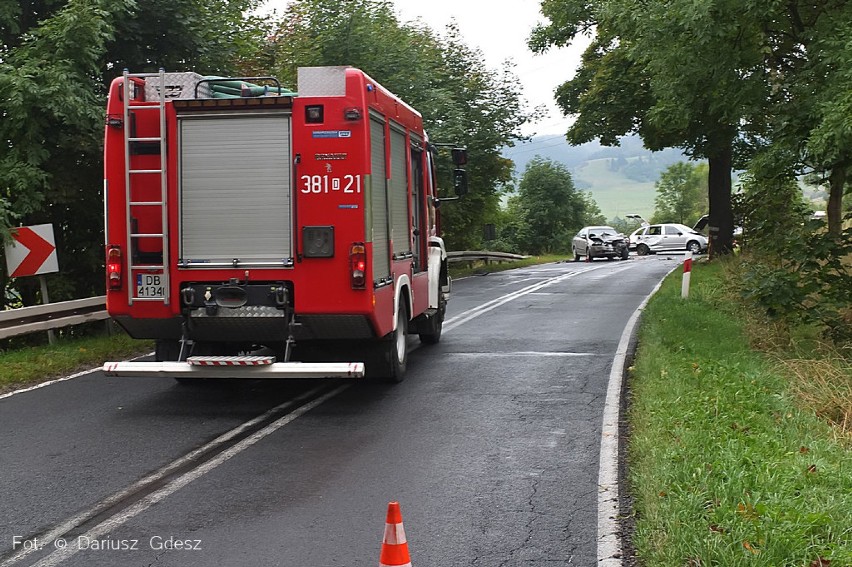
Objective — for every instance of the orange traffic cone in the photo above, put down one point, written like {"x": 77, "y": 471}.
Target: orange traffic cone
{"x": 394, "y": 545}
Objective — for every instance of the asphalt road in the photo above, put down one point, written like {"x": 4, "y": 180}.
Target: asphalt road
{"x": 491, "y": 446}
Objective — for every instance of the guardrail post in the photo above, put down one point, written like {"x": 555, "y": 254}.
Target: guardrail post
{"x": 45, "y": 299}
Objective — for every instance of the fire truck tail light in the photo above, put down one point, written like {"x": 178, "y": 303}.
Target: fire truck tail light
{"x": 358, "y": 265}
{"x": 114, "y": 267}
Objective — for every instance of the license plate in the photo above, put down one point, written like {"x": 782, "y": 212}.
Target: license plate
{"x": 150, "y": 285}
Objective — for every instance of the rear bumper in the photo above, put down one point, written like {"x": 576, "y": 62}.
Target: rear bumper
{"x": 262, "y": 330}
{"x": 277, "y": 370}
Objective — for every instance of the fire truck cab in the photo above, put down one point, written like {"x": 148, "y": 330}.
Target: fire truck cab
{"x": 255, "y": 232}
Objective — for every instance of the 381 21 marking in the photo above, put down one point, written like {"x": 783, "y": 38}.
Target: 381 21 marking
{"x": 315, "y": 184}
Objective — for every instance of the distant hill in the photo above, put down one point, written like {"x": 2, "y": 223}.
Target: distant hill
{"x": 621, "y": 178}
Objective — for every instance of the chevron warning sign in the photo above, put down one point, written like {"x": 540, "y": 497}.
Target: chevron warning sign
{"x": 32, "y": 252}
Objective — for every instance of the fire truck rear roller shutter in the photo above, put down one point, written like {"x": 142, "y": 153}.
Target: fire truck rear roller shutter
{"x": 235, "y": 189}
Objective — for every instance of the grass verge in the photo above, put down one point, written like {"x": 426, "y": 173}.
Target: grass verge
{"x": 30, "y": 365}
{"x": 727, "y": 464}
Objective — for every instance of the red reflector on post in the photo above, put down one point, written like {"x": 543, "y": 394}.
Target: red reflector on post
{"x": 113, "y": 265}
{"x": 358, "y": 265}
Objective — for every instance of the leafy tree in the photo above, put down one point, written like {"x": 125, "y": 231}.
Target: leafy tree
{"x": 52, "y": 122}
{"x": 462, "y": 101}
{"x": 677, "y": 73}
{"x": 549, "y": 208}
{"x": 591, "y": 211}
{"x": 789, "y": 268}
{"x": 56, "y": 58}
{"x": 806, "y": 127}
{"x": 681, "y": 194}
{"x": 206, "y": 36}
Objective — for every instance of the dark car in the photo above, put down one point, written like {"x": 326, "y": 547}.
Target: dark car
{"x": 599, "y": 242}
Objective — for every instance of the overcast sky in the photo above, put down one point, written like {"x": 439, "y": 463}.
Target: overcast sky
{"x": 500, "y": 31}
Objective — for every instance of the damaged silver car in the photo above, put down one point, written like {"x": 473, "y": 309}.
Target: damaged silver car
{"x": 600, "y": 242}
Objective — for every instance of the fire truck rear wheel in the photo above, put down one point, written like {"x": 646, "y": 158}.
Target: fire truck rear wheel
{"x": 392, "y": 357}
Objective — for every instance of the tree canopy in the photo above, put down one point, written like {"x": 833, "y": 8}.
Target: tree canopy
{"x": 723, "y": 80}
{"x": 462, "y": 101}
{"x": 681, "y": 194}
{"x": 58, "y": 56}
{"x": 547, "y": 210}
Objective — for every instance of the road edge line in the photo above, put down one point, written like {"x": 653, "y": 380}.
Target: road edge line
{"x": 62, "y": 379}
{"x": 610, "y": 549}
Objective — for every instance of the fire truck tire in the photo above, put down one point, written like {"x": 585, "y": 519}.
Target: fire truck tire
{"x": 392, "y": 357}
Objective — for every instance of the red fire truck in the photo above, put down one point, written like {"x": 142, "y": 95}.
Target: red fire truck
{"x": 249, "y": 229}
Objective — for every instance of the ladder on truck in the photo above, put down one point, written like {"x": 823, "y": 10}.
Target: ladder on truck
{"x": 130, "y": 175}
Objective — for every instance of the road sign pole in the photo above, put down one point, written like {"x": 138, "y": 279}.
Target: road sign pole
{"x": 45, "y": 299}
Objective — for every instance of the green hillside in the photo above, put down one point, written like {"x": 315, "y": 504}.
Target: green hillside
{"x": 620, "y": 178}
{"x": 614, "y": 193}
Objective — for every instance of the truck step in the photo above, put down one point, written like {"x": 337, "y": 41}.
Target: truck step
{"x": 298, "y": 370}
{"x": 230, "y": 360}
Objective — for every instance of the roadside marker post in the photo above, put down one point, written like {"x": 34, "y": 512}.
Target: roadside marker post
{"x": 687, "y": 272}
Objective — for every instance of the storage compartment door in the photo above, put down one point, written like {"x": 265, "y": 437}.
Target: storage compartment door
{"x": 379, "y": 201}
{"x": 235, "y": 191}
{"x": 400, "y": 217}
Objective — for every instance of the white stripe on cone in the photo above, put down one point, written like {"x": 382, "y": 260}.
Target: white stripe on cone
{"x": 395, "y": 534}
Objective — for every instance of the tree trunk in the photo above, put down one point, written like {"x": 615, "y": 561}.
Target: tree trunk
{"x": 834, "y": 212}
{"x": 719, "y": 192}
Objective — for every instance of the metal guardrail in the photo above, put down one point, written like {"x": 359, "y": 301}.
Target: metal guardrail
{"x": 52, "y": 316}
{"x": 14, "y": 322}
{"x": 487, "y": 256}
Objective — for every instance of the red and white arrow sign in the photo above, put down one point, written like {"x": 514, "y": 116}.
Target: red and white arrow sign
{"x": 32, "y": 252}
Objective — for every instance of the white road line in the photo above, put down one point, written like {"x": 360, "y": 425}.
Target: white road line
{"x": 173, "y": 486}
{"x": 609, "y": 532}
{"x": 519, "y": 280}
{"x": 475, "y": 312}
{"x": 74, "y": 521}
{"x": 521, "y": 353}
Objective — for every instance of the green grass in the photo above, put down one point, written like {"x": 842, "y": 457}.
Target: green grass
{"x": 727, "y": 465}
{"x": 29, "y": 365}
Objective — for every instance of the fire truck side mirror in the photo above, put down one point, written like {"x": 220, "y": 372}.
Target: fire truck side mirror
{"x": 459, "y": 156}
{"x": 460, "y": 182}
